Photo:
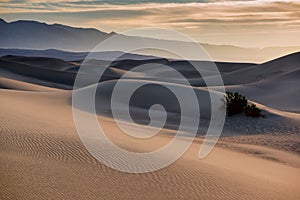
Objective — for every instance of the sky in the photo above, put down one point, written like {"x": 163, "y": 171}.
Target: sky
{"x": 247, "y": 23}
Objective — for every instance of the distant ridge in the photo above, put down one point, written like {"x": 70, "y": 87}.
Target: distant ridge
{"x": 73, "y": 56}
{"x": 35, "y": 35}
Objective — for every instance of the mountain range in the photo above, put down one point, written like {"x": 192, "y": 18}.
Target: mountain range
{"x": 35, "y": 35}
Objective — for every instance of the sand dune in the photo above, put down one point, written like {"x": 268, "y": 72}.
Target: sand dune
{"x": 263, "y": 71}
{"x": 41, "y": 155}
{"x": 44, "y": 62}
{"x": 50, "y": 153}
{"x": 278, "y": 92}
{"x": 6, "y": 83}
{"x": 50, "y": 75}
{"x": 61, "y": 74}
{"x": 154, "y": 92}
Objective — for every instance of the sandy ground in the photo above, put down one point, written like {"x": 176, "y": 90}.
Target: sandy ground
{"x": 41, "y": 157}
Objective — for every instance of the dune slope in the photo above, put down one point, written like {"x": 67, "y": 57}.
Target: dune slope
{"x": 41, "y": 155}
{"x": 44, "y": 146}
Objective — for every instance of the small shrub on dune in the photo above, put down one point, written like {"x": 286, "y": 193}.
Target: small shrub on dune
{"x": 237, "y": 103}
{"x": 252, "y": 111}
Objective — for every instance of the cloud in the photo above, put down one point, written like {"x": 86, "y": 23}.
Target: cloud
{"x": 238, "y": 22}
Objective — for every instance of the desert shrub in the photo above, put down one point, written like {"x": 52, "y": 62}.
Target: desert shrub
{"x": 235, "y": 103}
{"x": 252, "y": 111}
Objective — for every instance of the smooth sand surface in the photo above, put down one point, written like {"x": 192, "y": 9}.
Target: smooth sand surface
{"x": 278, "y": 92}
{"x": 6, "y": 83}
{"x": 42, "y": 157}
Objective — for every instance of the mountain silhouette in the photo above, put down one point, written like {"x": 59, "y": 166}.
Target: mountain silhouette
{"x": 25, "y": 34}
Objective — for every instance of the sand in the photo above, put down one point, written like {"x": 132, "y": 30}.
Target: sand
{"x": 42, "y": 157}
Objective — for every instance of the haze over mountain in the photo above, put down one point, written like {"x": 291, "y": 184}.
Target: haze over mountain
{"x": 24, "y": 34}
